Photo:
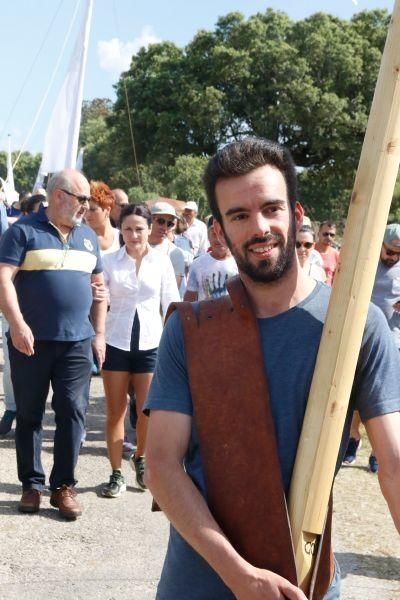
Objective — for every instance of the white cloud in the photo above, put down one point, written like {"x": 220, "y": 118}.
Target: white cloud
{"x": 115, "y": 55}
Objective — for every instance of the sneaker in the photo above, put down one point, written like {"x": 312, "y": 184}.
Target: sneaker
{"x": 115, "y": 486}
{"x": 351, "y": 452}
{"x": 63, "y": 498}
{"x": 138, "y": 464}
{"x": 7, "y": 421}
{"x": 30, "y": 501}
{"x": 372, "y": 464}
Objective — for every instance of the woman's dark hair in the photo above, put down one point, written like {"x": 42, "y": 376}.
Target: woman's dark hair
{"x": 242, "y": 157}
{"x": 141, "y": 210}
{"x": 28, "y": 204}
{"x": 307, "y": 229}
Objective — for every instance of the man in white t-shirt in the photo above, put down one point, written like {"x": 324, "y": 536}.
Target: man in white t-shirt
{"x": 164, "y": 219}
{"x": 210, "y": 272}
{"x": 197, "y": 230}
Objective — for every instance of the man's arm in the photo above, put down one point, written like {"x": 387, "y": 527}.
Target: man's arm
{"x": 167, "y": 441}
{"x": 384, "y": 435}
{"x": 20, "y": 333}
{"x": 98, "y": 313}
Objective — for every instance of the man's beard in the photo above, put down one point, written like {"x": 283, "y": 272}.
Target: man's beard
{"x": 267, "y": 270}
{"x": 388, "y": 262}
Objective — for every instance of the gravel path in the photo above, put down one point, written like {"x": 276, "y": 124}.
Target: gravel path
{"x": 115, "y": 550}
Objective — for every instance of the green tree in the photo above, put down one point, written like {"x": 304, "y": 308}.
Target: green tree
{"x": 185, "y": 181}
{"x": 25, "y": 171}
{"x": 306, "y": 84}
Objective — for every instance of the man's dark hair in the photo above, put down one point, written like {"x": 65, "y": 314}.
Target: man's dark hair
{"x": 242, "y": 157}
{"x": 327, "y": 223}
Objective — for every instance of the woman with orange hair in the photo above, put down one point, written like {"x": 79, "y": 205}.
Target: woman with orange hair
{"x": 98, "y": 217}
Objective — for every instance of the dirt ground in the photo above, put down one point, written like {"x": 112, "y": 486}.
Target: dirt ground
{"x": 115, "y": 550}
{"x": 366, "y": 542}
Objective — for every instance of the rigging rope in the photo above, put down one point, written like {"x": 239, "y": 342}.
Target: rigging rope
{"x": 30, "y": 70}
{"x": 128, "y": 106}
{"x": 50, "y": 82}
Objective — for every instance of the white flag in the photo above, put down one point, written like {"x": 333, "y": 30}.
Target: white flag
{"x": 10, "y": 173}
{"x": 79, "y": 160}
{"x": 61, "y": 141}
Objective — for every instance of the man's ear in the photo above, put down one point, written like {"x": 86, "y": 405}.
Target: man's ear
{"x": 298, "y": 215}
{"x": 219, "y": 232}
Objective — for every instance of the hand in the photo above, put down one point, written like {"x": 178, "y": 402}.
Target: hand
{"x": 266, "y": 585}
{"x": 396, "y": 306}
{"x": 99, "y": 291}
{"x": 99, "y": 348}
{"x": 22, "y": 338}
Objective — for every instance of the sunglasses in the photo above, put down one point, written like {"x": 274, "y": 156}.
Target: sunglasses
{"x": 81, "y": 198}
{"x": 306, "y": 245}
{"x": 391, "y": 252}
{"x": 326, "y": 233}
{"x": 162, "y": 221}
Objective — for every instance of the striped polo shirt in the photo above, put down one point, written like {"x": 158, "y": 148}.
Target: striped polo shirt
{"x": 53, "y": 280}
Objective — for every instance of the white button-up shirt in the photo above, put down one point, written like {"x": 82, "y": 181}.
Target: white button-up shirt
{"x": 153, "y": 287}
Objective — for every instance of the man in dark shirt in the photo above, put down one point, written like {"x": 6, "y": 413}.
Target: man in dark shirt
{"x": 48, "y": 262}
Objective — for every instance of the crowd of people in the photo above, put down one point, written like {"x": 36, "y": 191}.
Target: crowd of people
{"x": 107, "y": 269}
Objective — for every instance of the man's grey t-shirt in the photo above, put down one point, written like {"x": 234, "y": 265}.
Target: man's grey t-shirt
{"x": 290, "y": 343}
{"x": 385, "y": 293}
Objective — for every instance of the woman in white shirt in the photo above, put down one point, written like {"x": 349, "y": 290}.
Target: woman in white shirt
{"x": 98, "y": 217}
{"x": 304, "y": 245}
{"x": 140, "y": 281}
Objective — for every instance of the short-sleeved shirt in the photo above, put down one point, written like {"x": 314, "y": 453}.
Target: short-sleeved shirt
{"x": 289, "y": 343}
{"x": 208, "y": 276}
{"x": 385, "y": 293}
{"x": 175, "y": 254}
{"x": 53, "y": 280}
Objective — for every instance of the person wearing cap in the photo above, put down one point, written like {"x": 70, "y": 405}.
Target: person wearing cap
{"x": 386, "y": 295}
{"x": 210, "y": 272}
{"x": 197, "y": 230}
{"x": 164, "y": 219}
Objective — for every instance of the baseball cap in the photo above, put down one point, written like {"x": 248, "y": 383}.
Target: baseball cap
{"x": 163, "y": 208}
{"x": 191, "y": 205}
{"x": 392, "y": 235}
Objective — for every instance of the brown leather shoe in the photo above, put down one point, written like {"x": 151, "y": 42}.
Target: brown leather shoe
{"x": 63, "y": 498}
{"x": 30, "y": 501}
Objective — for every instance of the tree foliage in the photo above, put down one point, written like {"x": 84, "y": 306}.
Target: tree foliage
{"x": 307, "y": 84}
{"x": 25, "y": 171}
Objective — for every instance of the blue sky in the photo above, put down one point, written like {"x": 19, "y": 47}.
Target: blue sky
{"x": 30, "y": 47}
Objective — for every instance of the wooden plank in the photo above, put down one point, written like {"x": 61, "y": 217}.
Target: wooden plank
{"x": 341, "y": 339}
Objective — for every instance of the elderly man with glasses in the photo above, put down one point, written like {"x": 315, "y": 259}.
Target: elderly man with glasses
{"x": 164, "y": 220}
{"x": 48, "y": 263}
{"x": 329, "y": 254}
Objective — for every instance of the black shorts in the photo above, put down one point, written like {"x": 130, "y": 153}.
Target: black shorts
{"x": 133, "y": 360}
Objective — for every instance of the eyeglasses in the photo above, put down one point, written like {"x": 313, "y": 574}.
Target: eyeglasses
{"x": 162, "y": 221}
{"x": 391, "y": 252}
{"x": 306, "y": 245}
{"x": 330, "y": 233}
{"x": 81, "y": 198}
